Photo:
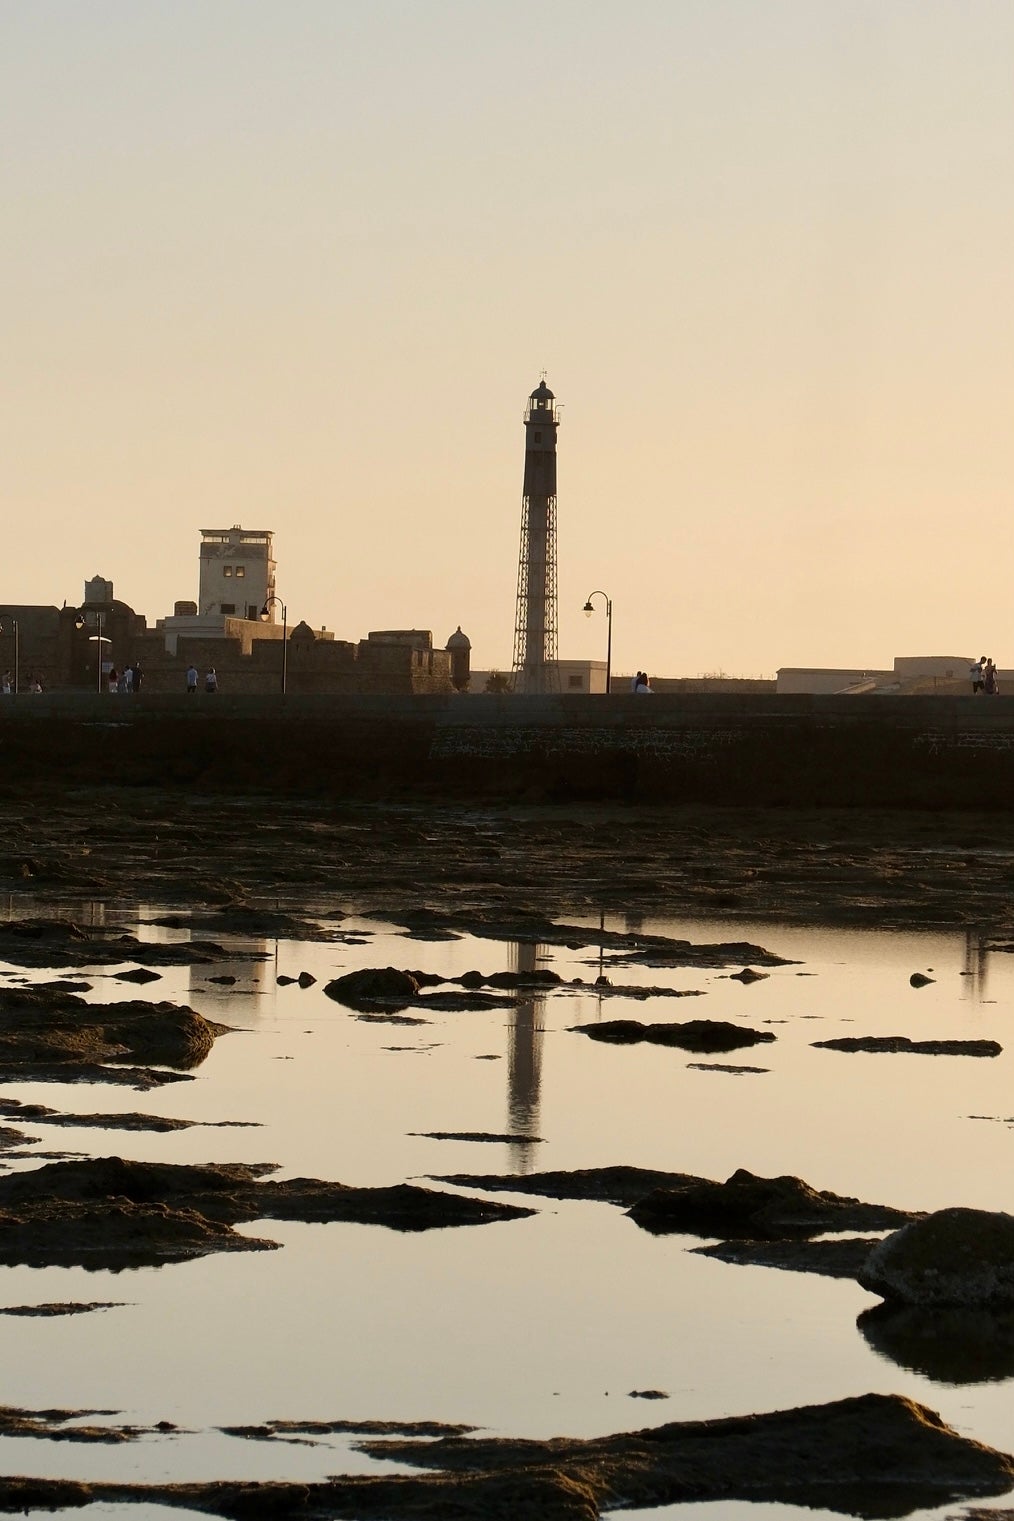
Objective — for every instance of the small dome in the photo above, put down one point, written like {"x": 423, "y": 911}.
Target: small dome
{"x": 303, "y": 633}
{"x": 458, "y": 640}
{"x": 542, "y": 393}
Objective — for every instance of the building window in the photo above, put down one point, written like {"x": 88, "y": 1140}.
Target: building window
{"x": 228, "y": 607}
{"x": 241, "y": 570}
{"x": 227, "y": 570}
{"x": 576, "y": 681}
{"x": 538, "y": 438}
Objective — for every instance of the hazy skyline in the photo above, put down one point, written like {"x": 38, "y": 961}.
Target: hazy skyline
{"x": 297, "y": 266}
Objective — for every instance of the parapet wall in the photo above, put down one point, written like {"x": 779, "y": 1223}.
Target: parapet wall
{"x": 935, "y": 752}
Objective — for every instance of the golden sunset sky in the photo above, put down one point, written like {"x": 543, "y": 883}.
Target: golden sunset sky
{"x": 297, "y": 264}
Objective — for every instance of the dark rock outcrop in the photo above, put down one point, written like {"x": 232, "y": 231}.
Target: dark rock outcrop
{"x": 691, "y": 1035}
{"x": 111, "y": 1213}
{"x": 917, "y": 1047}
{"x": 370, "y": 986}
{"x": 755, "y": 1208}
{"x": 45, "y": 1034}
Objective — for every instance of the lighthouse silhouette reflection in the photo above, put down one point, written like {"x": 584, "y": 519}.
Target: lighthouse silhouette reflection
{"x": 524, "y": 1056}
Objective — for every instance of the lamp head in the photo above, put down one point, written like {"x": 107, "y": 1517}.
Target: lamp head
{"x": 588, "y": 609}
{"x": 264, "y": 614}
{"x": 79, "y": 621}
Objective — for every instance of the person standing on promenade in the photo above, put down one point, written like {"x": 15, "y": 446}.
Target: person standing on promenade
{"x": 977, "y": 673}
{"x": 211, "y": 680}
{"x": 136, "y": 676}
{"x": 990, "y": 685}
{"x": 191, "y": 678}
{"x": 8, "y": 683}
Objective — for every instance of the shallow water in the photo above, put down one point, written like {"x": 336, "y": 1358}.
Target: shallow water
{"x": 541, "y": 1326}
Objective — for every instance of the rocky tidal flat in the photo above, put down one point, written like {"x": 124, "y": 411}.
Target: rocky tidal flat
{"x": 279, "y": 1212}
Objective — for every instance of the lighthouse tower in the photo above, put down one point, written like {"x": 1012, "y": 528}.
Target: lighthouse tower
{"x": 535, "y": 640}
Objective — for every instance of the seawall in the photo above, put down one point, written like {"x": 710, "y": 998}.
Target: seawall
{"x": 933, "y": 752}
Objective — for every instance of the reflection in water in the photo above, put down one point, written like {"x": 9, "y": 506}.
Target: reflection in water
{"x": 252, "y": 967}
{"x": 976, "y": 965}
{"x": 524, "y": 1068}
{"x": 948, "y": 1346}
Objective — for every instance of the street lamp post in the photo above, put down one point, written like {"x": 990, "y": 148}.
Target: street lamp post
{"x": 265, "y": 614}
{"x": 80, "y": 622}
{"x": 588, "y": 610}
{"x": 17, "y": 648}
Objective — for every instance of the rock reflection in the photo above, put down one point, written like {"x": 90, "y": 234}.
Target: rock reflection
{"x": 524, "y": 1068}
{"x": 948, "y": 1346}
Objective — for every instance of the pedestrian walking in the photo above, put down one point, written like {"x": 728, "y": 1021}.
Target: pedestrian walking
{"x": 977, "y": 672}
{"x": 8, "y": 683}
{"x": 211, "y": 680}
{"x": 191, "y": 678}
{"x": 990, "y": 684}
{"x": 136, "y": 676}
{"x": 113, "y": 679}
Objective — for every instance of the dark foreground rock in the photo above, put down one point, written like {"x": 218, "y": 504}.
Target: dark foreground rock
{"x": 690, "y": 1035}
{"x": 111, "y": 1213}
{"x": 756, "y": 1208}
{"x": 918, "y": 1047}
{"x": 960, "y": 1258}
{"x": 874, "y": 1456}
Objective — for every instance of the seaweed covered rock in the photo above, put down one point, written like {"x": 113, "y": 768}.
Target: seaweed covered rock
{"x": 954, "y": 1258}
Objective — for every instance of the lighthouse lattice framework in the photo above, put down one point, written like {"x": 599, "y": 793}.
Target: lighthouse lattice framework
{"x": 535, "y": 637}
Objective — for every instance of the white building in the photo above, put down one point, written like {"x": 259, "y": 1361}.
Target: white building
{"x": 237, "y": 572}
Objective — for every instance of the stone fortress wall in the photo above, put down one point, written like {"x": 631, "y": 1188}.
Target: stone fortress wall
{"x": 942, "y": 752}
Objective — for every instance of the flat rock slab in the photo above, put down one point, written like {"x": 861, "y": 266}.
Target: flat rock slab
{"x": 57, "y": 942}
{"x": 476, "y": 1135}
{"x": 634, "y": 948}
{"x": 754, "y": 1208}
{"x": 918, "y": 1047}
{"x": 831, "y": 1259}
{"x": 604, "y": 1185}
{"x": 111, "y": 1213}
{"x": 40, "y": 1114}
{"x": 691, "y": 1035}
